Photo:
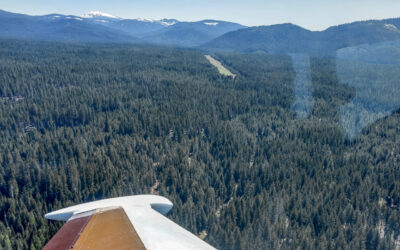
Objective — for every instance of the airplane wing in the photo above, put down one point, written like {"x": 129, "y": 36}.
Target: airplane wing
{"x": 132, "y": 222}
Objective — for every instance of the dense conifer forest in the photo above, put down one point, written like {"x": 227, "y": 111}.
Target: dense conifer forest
{"x": 85, "y": 122}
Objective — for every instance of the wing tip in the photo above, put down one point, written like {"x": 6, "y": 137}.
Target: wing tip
{"x": 158, "y": 203}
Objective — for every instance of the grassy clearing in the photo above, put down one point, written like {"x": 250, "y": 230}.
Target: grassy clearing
{"x": 222, "y": 70}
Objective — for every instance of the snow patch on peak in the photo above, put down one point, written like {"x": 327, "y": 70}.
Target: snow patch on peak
{"x": 391, "y": 27}
{"x": 94, "y": 14}
{"x": 164, "y": 22}
{"x": 211, "y": 23}
{"x": 102, "y": 21}
{"x": 72, "y": 18}
{"x": 147, "y": 20}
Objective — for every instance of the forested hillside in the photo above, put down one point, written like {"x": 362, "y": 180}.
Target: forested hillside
{"x": 86, "y": 122}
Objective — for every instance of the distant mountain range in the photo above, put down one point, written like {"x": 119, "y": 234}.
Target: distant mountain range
{"x": 58, "y": 28}
{"x": 211, "y": 35}
{"x": 101, "y": 27}
{"x": 289, "y": 38}
{"x": 190, "y": 34}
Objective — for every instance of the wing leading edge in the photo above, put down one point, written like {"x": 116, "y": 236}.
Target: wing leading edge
{"x": 132, "y": 222}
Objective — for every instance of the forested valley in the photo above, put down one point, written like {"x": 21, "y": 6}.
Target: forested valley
{"x": 86, "y": 122}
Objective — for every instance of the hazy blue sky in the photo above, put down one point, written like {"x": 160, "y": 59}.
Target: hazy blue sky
{"x": 312, "y": 14}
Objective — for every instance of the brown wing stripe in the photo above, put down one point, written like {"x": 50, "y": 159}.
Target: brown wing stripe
{"x": 66, "y": 237}
{"x": 105, "y": 229}
{"x": 109, "y": 229}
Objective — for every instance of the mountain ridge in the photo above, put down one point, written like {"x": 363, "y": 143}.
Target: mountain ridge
{"x": 189, "y": 34}
{"x": 96, "y": 26}
{"x": 291, "y": 38}
{"x": 210, "y": 35}
{"x": 57, "y": 27}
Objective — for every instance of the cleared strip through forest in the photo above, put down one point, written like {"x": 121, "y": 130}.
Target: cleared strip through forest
{"x": 222, "y": 70}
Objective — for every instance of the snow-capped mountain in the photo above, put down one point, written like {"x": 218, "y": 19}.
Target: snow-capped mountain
{"x": 100, "y": 17}
{"x": 99, "y": 14}
{"x": 136, "y": 27}
{"x": 58, "y": 27}
{"x": 106, "y": 18}
{"x": 161, "y": 31}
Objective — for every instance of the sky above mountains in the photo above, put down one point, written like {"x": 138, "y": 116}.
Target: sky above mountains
{"x": 311, "y": 14}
